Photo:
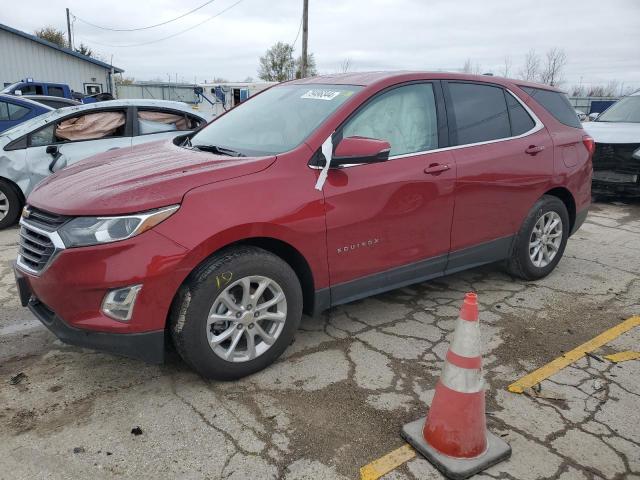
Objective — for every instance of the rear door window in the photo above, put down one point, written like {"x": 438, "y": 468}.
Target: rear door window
{"x": 480, "y": 113}
{"x": 556, "y": 103}
{"x": 158, "y": 121}
{"x": 521, "y": 121}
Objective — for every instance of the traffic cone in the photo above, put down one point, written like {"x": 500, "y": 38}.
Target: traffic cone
{"x": 454, "y": 436}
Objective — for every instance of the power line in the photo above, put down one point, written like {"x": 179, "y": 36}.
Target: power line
{"x": 169, "y": 36}
{"x": 293, "y": 45}
{"x": 148, "y": 27}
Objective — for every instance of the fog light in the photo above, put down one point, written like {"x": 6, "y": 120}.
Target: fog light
{"x": 118, "y": 304}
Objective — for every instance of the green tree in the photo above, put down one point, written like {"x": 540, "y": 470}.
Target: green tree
{"x": 84, "y": 50}
{"x": 53, "y": 35}
{"x": 312, "y": 69}
{"x": 277, "y": 64}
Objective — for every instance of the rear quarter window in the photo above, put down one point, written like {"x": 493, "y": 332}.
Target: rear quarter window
{"x": 556, "y": 103}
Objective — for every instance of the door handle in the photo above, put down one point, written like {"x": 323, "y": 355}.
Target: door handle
{"x": 436, "y": 168}
{"x": 534, "y": 149}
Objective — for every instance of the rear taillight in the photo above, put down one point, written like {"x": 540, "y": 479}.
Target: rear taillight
{"x": 589, "y": 143}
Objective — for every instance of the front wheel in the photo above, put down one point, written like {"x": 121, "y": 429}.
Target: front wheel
{"x": 10, "y": 204}
{"x": 540, "y": 243}
{"x": 236, "y": 313}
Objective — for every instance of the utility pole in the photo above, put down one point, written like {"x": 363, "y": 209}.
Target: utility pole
{"x": 69, "y": 30}
{"x": 305, "y": 34}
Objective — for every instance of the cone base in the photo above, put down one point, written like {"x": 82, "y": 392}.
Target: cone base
{"x": 456, "y": 468}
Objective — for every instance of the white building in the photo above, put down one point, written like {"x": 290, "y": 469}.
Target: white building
{"x": 232, "y": 92}
{"x": 23, "y": 55}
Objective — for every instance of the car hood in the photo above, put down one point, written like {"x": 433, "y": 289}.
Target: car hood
{"x": 132, "y": 180}
{"x": 613, "y": 132}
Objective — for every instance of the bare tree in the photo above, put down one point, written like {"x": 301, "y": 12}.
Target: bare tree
{"x": 125, "y": 80}
{"x": 468, "y": 66}
{"x": 555, "y": 61}
{"x": 506, "y": 66}
{"x": 345, "y": 66}
{"x": 529, "y": 71}
{"x": 577, "y": 91}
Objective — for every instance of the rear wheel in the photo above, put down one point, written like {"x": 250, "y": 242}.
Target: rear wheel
{"x": 236, "y": 313}
{"x": 10, "y": 204}
{"x": 541, "y": 241}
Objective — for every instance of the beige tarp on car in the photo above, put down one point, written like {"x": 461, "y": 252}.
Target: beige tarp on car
{"x": 91, "y": 126}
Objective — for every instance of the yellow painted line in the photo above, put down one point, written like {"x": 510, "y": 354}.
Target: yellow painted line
{"x": 577, "y": 353}
{"x": 623, "y": 356}
{"x": 390, "y": 461}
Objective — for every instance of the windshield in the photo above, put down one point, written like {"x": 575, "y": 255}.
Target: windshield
{"x": 275, "y": 121}
{"x": 625, "y": 110}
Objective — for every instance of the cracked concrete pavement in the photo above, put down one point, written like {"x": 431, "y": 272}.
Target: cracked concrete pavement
{"x": 338, "y": 397}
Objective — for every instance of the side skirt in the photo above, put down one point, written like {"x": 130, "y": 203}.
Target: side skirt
{"x": 417, "y": 272}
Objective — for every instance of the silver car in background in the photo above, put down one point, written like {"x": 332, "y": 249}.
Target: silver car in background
{"x": 38, "y": 147}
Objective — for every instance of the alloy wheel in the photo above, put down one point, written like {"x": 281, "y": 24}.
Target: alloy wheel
{"x": 545, "y": 239}
{"x": 246, "y": 318}
{"x": 4, "y": 206}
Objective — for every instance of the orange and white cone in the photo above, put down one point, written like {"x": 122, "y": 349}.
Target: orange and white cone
{"x": 454, "y": 435}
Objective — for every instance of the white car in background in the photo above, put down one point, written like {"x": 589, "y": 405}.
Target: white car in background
{"x": 38, "y": 147}
{"x": 616, "y": 160}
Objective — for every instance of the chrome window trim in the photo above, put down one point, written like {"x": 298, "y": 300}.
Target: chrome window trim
{"x": 58, "y": 246}
{"x": 538, "y": 125}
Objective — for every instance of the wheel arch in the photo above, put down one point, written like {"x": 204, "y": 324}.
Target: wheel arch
{"x": 566, "y": 197}
{"x": 16, "y": 187}
{"x": 285, "y": 251}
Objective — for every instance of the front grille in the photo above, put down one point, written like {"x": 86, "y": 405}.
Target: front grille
{"x": 35, "y": 249}
{"x": 45, "y": 220}
{"x": 616, "y": 157}
{"x": 39, "y": 240}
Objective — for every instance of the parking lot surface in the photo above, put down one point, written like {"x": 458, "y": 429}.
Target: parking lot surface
{"x": 339, "y": 396}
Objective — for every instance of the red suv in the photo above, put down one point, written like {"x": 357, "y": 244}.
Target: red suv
{"x": 313, "y": 193}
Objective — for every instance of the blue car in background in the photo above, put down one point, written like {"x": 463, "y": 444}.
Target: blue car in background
{"x": 15, "y": 110}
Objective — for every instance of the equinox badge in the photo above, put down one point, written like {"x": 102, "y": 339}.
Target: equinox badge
{"x": 354, "y": 246}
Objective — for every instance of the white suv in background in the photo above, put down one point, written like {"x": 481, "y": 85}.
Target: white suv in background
{"x": 616, "y": 161}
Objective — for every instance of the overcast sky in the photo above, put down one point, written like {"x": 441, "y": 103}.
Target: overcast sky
{"x": 601, "y": 38}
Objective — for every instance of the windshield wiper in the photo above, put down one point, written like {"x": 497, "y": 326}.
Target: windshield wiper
{"x": 219, "y": 150}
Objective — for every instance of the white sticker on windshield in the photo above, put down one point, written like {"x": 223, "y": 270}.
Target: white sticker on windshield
{"x": 320, "y": 94}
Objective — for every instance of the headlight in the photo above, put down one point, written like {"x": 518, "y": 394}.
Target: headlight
{"x": 83, "y": 231}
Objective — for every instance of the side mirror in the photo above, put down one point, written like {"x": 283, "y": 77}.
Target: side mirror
{"x": 361, "y": 150}
{"x": 55, "y": 153}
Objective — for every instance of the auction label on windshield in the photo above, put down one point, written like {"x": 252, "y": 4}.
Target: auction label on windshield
{"x": 320, "y": 94}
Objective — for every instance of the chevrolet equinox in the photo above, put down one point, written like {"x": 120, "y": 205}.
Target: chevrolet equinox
{"x": 311, "y": 194}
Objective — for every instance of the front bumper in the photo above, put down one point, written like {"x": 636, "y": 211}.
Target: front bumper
{"x": 599, "y": 187}
{"x": 148, "y": 346}
{"x": 67, "y": 296}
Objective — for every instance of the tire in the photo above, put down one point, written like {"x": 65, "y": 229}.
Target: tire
{"x": 10, "y": 204}
{"x": 521, "y": 264}
{"x": 220, "y": 282}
